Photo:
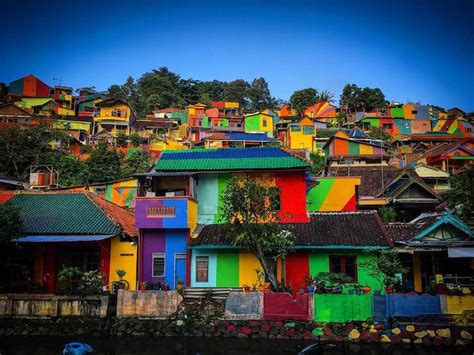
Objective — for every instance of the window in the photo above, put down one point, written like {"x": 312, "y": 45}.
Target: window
{"x": 275, "y": 199}
{"x": 85, "y": 260}
{"x": 264, "y": 123}
{"x": 202, "y": 268}
{"x": 308, "y": 130}
{"x": 414, "y": 112}
{"x": 346, "y": 264}
{"x": 158, "y": 265}
{"x": 295, "y": 128}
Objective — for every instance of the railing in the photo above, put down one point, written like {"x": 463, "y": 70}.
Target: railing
{"x": 165, "y": 212}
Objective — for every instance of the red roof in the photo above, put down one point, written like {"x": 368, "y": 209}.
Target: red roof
{"x": 5, "y": 197}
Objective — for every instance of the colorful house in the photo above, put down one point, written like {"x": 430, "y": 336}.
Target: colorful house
{"x": 330, "y": 242}
{"x": 435, "y": 246}
{"x": 63, "y": 101}
{"x": 11, "y": 114}
{"x": 333, "y": 194}
{"x": 355, "y": 147}
{"x": 198, "y": 122}
{"x": 259, "y": 122}
{"x": 286, "y": 111}
{"x": 114, "y": 117}
{"x": 28, "y": 86}
{"x": 322, "y": 111}
{"x": 75, "y": 229}
{"x": 37, "y": 106}
{"x": 237, "y": 140}
{"x": 301, "y": 134}
{"x": 182, "y": 191}
{"x": 86, "y": 104}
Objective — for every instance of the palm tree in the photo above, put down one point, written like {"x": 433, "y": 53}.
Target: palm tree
{"x": 327, "y": 96}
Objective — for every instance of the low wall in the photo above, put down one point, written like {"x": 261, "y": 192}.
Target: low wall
{"x": 342, "y": 308}
{"x": 282, "y": 306}
{"x": 244, "y": 305}
{"x": 32, "y": 305}
{"x": 148, "y": 304}
{"x": 457, "y": 304}
{"x": 405, "y": 305}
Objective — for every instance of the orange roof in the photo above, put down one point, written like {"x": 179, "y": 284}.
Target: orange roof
{"x": 123, "y": 217}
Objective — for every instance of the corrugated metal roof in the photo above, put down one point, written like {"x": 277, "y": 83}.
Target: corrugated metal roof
{"x": 61, "y": 238}
{"x": 229, "y": 159}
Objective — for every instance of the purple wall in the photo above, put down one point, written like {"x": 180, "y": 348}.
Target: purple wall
{"x": 153, "y": 242}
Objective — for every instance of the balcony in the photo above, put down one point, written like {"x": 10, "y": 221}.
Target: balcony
{"x": 173, "y": 212}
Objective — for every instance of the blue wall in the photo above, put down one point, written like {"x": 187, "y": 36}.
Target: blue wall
{"x": 175, "y": 243}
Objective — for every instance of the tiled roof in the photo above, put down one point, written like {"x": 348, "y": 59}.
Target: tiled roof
{"x": 338, "y": 229}
{"x": 237, "y": 136}
{"x": 121, "y": 216}
{"x": 62, "y": 214}
{"x": 5, "y": 197}
{"x": 371, "y": 177}
{"x": 229, "y": 159}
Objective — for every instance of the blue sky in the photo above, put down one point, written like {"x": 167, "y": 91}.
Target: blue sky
{"x": 413, "y": 50}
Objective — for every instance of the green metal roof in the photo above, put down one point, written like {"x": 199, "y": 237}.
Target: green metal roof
{"x": 226, "y": 159}
{"x": 33, "y": 101}
{"x": 62, "y": 214}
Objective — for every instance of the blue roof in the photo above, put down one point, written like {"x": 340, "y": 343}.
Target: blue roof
{"x": 61, "y": 238}
{"x": 260, "y": 137}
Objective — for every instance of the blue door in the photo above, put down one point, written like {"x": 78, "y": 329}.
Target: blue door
{"x": 180, "y": 268}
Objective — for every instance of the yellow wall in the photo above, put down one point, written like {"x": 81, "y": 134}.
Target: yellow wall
{"x": 105, "y": 113}
{"x": 127, "y": 263}
{"x": 299, "y": 140}
{"x": 247, "y": 265}
{"x": 417, "y": 272}
{"x": 459, "y": 304}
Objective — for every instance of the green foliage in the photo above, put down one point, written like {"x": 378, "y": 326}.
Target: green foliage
{"x": 104, "y": 165}
{"x": 301, "y": 99}
{"x": 259, "y": 95}
{"x": 379, "y": 133}
{"x": 121, "y": 139}
{"x": 318, "y": 163}
{"x": 386, "y": 267}
{"x": 91, "y": 282}
{"x": 356, "y": 99}
{"x": 72, "y": 171}
{"x": 387, "y": 214}
{"x": 22, "y": 147}
{"x": 67, "y": 275}
{"x": 135, "y": 139}
{"x": 10, "y": 222}
{"x": 137, "y": 162}
{"x": 120, "y": 273}
{"x": 237, "y": 90}
{"x": 246, "y": 206}
{"x": 326, "y": 95}
{"x": 461, "y": 195}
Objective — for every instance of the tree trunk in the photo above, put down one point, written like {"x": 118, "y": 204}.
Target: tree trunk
{"x": 271, "y": 274}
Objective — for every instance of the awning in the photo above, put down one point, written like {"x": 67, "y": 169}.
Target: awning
{"x": 61, "y": 238}
{"x": 461, "y": 252}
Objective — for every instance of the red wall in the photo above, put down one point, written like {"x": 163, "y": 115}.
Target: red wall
{"x": 49, "y": 268}
{"x": 105, "y": 258}
{"x": 297, "y": 270}
{"x": 282, "y": 306}
{"x": 293, "y": 197}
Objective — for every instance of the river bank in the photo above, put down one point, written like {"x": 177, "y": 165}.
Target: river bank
{"x": 188, "y": 326}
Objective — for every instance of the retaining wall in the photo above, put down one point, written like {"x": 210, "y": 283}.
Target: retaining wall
{"x": 456, "y": 304}
{"x": 284, "y": 307}
{"x": 244, "y": 305}
{"x": 342, "y": 308}
{"x": 32, "y": 305}
{"x": 148, "y": 304}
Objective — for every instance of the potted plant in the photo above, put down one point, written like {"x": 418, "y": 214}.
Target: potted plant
{"x": 246, "y": 288}
{"x": 180, "y": 284}
{"x": 143, "y": 286}
{"x": 331, "y": 282}
{"x": 366, "y": 289}
{"x": 164, "y": 286}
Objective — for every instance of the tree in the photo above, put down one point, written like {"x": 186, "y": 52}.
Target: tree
{"x": 318, "y": 163}
{"x": 137, "y": 162}
{"x": 387, "y": 214}
{"x": 104, "y": 165}
{"x": 301, "y": 99}
{"x": 326, "y": 95}
{"x": 247, "y": 207}
{"x": 385, "y": 266}
{"x": 237, "y": 90}
{"x": 135, "y": 139}
{"x": 461, "y": 195}
{"x": 379, "y": 133}
{"x": 71, "y": 171}
{"x": 355, "y": 99}
{"x": 259, "y": 95}
{"x": 10, "y": 222}
{"x": 22, "y": 147}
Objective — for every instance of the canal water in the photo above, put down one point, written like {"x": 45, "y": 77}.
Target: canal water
{"x": 146, "y": 346}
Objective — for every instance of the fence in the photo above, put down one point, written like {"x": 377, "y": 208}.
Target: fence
{"x": 41, "y": 306}
{"x": 342, "y": 308}
{"x": 148, "y": 304}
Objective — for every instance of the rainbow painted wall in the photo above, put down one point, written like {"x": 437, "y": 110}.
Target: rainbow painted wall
{"x": 333, "y": 194}
{"x": 122, "y": 193}
{"x": 341, "y": 145}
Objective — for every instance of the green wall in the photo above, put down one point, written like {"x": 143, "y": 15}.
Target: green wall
{"x": 252, "y": 123}
{"x": 397, "y": 112}
{"x": 209, "y": 189}
{"x": 342, "y": 308}
{"x": 318, "y": 194}
{"x": 319, "y": 262}
{"x": 227, "y": 269}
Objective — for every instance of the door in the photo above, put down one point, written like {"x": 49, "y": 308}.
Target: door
{"x": 179, "y": 269}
